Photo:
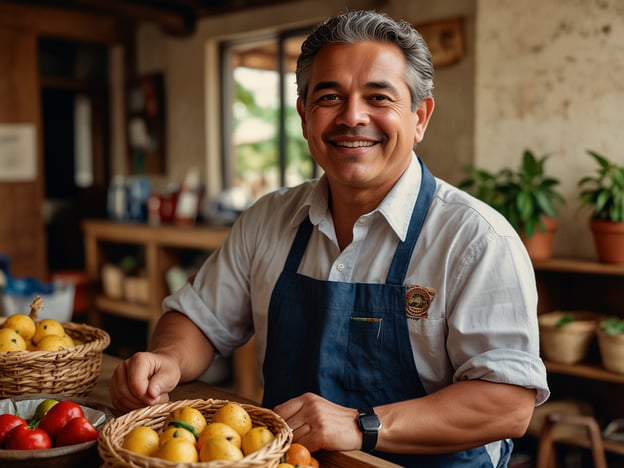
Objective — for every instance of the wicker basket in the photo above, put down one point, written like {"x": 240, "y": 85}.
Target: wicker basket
{"x": 112, "y": 435}
{"x": 70, "y": 372}
{"x": 611, "y": 351}
{"x": 569, "y": 343}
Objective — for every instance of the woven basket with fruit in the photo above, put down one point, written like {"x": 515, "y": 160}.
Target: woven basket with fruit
{"x": 47, "y": 356}
{"x": 215, "y": 433}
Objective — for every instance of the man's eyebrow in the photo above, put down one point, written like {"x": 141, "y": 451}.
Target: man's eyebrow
{"x": 325, "y": 85}
{"x": 371, "y": 84}
{"x": 382, "y": 85}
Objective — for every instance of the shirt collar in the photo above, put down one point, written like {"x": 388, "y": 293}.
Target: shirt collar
{"x": 396, "y": 207}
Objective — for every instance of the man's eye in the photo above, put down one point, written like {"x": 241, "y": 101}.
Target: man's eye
{"x": 379, "y": 97}
{"x": 329, "y": 97}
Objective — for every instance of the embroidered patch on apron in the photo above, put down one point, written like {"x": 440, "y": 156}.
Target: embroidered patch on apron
{"x": 417, "y": 301}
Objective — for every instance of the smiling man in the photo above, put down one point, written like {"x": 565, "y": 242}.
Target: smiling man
{"x": 392, "y": 312}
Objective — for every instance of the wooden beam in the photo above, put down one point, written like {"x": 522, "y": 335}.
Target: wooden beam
{"x": 180, "y": 21}
{"x": 66, "y": 24}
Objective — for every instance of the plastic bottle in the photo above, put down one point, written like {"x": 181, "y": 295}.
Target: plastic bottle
{"x": 187, "y": 207}
{"x": 117, "y": 203}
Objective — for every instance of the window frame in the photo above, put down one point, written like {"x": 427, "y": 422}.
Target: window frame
{"x": 227, "y": 98}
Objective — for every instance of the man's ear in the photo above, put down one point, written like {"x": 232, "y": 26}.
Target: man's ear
{"x": 423, "y": 112}
{"x": 301, "y": 112}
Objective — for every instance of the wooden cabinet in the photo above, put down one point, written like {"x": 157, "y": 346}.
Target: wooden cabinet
{"x": 567, "y": 284}
{"x": 162, "y": 247}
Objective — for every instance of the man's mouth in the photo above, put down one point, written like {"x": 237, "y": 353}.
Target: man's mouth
{"x": 354, "y": 144}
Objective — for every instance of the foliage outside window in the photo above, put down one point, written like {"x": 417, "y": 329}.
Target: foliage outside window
{"x": 263, "y": 146}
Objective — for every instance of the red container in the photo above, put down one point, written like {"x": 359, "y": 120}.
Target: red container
{"x": 80, "y": 280}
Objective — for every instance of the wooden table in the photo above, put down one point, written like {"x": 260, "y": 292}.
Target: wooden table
{"x": 198, "y": 389}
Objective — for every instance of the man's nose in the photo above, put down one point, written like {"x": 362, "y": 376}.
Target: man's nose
{"x": 352, "y": 113}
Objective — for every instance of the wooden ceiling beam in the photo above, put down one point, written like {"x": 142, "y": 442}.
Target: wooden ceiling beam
{"x": 174, "y": 18}
{"x": 178, "y": 22}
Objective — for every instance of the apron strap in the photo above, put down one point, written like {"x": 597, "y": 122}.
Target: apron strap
{"x": 403, "y": 253}
{"x": 298, "y": 246}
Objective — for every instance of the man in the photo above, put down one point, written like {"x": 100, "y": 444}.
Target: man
{"x": 391, "y": 311}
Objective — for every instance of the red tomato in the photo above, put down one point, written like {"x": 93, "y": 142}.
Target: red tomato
{"x": 8, "y": 422}
{"x": 76, "y": 431}
{"x": 23, "y": 437}
{"x": 59, "y": 415}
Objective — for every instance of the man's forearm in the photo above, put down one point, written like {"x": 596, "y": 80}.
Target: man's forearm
{"x": 179, "y": 338}
{"x": 464, "y": 415}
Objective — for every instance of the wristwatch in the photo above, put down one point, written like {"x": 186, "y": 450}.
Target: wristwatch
{"x": 369, "y": 424}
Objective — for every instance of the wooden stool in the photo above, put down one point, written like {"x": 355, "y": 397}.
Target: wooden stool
{"x": 546, "y": 452}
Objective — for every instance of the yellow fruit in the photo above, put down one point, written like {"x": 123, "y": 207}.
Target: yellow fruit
{"x": 51, "y": 343}
{"x": 189, "y": 415}
{"x": 235, "y": 416}
{"x": 68, "y": 340}
{"x": 10, "y": 341}
{"x": 219, "y": 448}
{"x": 141, "y": 440}
{"x": 178, "y": 450}
{"x": 47, "y": 327}
{"x": 21, "y": 323}
{"x": 285, "y": 465}
{"x": 219, "y": 429}
{"x": 175, "y": 432}
{"x": 256, "y": 438}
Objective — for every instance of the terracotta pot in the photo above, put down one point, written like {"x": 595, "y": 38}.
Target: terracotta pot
{"x": 540, "y": 244}
{"x": 567, "y": 344}
{"x": 608, "y": 240}
{"x": 611, "y": 351}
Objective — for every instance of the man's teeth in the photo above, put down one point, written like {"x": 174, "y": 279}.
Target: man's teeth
{"x": 355, "y": 144}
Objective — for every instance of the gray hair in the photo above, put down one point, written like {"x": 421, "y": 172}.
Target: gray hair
{"x": 357, "y": 26}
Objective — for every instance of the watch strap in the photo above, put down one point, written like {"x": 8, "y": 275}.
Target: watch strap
{"x": 369, "y": 431}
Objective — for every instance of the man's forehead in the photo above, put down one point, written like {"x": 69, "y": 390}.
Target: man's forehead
{"x": 376, "y": 65}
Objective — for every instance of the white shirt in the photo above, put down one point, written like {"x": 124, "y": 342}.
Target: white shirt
{"x": 482, "y": 323}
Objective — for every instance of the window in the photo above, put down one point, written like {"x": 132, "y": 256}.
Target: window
{"x": 263, "y": 146}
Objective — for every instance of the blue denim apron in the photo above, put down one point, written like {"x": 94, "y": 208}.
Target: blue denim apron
{"x": 349, "y": 342}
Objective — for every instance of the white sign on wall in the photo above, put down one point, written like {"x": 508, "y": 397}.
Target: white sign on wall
{"x": 18, "y": 158}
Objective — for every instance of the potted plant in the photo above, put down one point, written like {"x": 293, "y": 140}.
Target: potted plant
{"x": 604, "y": 192}
{"x": 565, "y": 336}
{"x": 611, "y": 344}
{"x": 526, "y": 197}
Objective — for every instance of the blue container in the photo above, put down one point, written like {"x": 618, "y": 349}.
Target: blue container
{"x": 138, "y": 192}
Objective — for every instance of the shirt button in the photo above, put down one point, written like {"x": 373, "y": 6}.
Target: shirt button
{"x": 340, "y": 267}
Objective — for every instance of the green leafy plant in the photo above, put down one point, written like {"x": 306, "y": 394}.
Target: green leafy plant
{"x": 523, "y": 196}
{"x": 604, "y": 191}
{"x": 613, "y": 326}
{"x": 564, "y": 320}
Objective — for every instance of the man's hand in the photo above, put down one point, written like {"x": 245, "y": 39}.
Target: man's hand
{"x": 320, "y": 424}
{"x": 143, "y": 379}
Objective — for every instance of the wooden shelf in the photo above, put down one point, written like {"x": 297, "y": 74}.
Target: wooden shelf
{"x": 123, "y": 308}
{"x": 162, "y": 246}
{"x": 195, "y": 237}
{"x": 593, "y": 371}
{"x": 567, "y": 265}
{"x": 583, "y": 284}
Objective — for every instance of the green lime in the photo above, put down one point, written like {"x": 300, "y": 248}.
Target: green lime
{"x": 43, "y": 408}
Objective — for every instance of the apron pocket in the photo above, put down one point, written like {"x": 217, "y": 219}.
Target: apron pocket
{"x": 363, "y": 366}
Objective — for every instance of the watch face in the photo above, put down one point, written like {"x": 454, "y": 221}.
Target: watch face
{"x": 370, "y": 422}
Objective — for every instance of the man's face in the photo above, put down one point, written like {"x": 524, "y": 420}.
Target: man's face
{"x": 357, "y": 118}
